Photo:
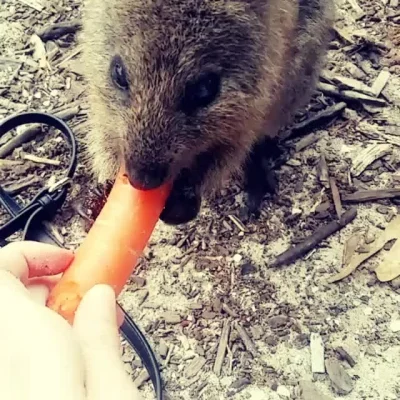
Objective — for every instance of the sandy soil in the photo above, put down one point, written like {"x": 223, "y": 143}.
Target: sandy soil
{"x": 211, "y": 273}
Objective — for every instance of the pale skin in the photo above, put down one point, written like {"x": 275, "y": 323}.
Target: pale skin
{"x": 42, "y": 357}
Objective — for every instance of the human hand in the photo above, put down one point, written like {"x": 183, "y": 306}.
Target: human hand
{"x": 41, "y": 356}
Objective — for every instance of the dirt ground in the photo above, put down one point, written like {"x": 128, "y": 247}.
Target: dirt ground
{"x": 222, "y": 320}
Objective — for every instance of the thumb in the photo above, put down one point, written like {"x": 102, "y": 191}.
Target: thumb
{"x": 96, "y": 327}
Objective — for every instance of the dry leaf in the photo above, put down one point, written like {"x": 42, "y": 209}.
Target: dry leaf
{"x": 350, "y": 247}
{"x": 392, "y": 232}
{"x": 389, "y": 269}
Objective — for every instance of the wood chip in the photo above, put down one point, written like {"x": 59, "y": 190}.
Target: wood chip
{"x": 359, "y": 12}
{"x": 317, "y": 353}
{"x": 336, "y": 198}
{"x": 222, "y": 346}
{"x": 367, "y": 156}
{"x": 308, "y": 391}
{"x": 380, "y": 82}
{"x": 341, "y": 381}
{"x": 35, "y": 4}
{"x": 353, "y": 84}
{"x": 171, "y": 317}
{"x": 195, "y": 367}
{"x": 142, "y": 378}
{"x": 322, "y": 171}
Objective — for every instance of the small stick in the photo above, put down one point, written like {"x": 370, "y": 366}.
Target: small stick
{"x": 41, "y": 160}
{"x": 55, "y": 31}
{"x": 250, "y": 346}
{"x": 336, "y": 197}
{"x": 371, "y": 195}
{"x": 307, "y": 141}
{"x": 349, "y": 95}
{"x": 69, "y": 57}
{"x": 237, "y": 222}
{"x": 294, "y": 253}
{"x": 229, "y": 311}
{"x": 223, "y": 344}
{"x": 346, "y": 356}
{"x": 22, "y": 184}
{"x": 315, "y": 120}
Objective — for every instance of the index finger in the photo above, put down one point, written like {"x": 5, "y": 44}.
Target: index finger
{"x": 28, "y": 259}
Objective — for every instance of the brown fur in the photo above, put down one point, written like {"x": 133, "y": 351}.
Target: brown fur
{"x": 269, "y": 51}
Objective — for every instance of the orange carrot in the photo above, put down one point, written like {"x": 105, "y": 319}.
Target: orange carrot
{"x": 113, "y": 245}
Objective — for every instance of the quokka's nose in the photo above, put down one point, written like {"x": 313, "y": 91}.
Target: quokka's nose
{"x": 148, "y": 177}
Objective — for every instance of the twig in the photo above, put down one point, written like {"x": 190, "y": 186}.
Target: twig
{"x": 315, "y": 120}
{"x": 14, "y": 74}
{"x": 55, "y": 31}
{"x": 294, "y": 253}
{"x": 223, "y": 343}
{"x": 69, "y": 57}
{"x": 307, "y": 141}
{"x": 370, "y": 195}
{"x": 250, "y": 346}
{"x": 237, "y": 222}
{"x": 346, "y": 356}
{"x": 350, "y": 83}
{"x": 41, "y": 160}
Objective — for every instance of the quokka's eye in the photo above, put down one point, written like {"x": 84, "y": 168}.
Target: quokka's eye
{"x": 118, "y": 73}
{"x": 201, "y": 93}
